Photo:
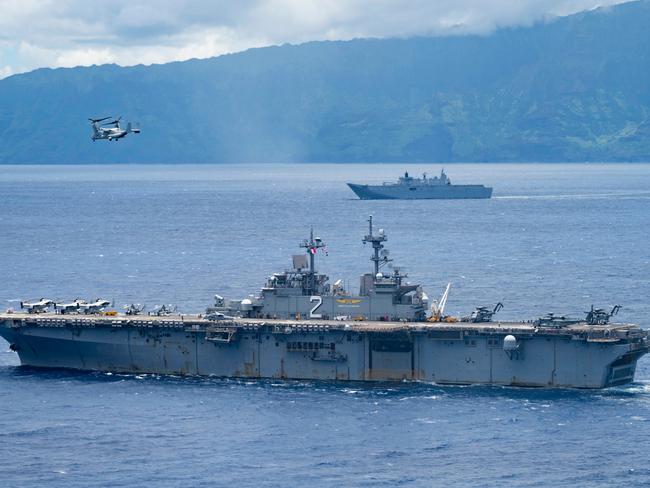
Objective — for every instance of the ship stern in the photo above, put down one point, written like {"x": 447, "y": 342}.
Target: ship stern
{"x": 622, "y": 370}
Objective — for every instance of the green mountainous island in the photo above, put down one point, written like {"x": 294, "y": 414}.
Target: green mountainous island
{"x": 575, "y": 88}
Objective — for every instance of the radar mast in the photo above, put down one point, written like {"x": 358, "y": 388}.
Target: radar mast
{"x": 312, "y": 245}
{"x": 376, "y": 241}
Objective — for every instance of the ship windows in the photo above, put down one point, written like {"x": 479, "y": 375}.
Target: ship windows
{"x": 309, "y": 346}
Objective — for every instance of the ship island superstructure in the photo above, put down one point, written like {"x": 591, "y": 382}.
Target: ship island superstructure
{"x": 301, "y": 327}
{"x": 302, "y": 292}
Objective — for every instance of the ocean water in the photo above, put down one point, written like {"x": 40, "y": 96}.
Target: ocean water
{"x": 553, "y": 238}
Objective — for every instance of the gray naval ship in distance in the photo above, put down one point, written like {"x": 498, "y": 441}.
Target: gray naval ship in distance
{"x": 410, "y": 188}
{"x": 301, "y": 327}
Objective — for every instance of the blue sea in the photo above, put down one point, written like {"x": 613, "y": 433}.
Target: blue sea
{"x": 554, "y": 238}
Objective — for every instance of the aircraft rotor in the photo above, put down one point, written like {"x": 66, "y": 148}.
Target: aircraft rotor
{"x": 95, "y": 121}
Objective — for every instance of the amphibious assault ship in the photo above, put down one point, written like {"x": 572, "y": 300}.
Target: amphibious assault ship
{"x": 409, "y": 188}
{"x": 301, "y": 327}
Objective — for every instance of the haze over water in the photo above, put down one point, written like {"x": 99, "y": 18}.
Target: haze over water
{"x": 553, "y": 238}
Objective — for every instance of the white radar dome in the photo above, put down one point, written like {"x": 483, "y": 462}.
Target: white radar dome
{"x": 246, "y": 304}
{"x": 510, "y": 343}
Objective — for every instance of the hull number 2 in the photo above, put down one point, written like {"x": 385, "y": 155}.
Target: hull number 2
{"x": 318, "y": 301}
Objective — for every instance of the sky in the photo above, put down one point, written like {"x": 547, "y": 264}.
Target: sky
{"x": 66, "y": 33}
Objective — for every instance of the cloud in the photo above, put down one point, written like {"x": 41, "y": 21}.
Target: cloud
{"x": 57, "y": 33}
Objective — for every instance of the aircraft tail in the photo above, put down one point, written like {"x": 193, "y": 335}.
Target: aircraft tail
{"x": 130, "y": 128}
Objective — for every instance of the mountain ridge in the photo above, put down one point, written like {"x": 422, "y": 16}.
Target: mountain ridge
{"x": 571, "y": 89}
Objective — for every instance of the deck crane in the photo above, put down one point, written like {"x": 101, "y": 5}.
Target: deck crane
{"x": 438, "y": 308}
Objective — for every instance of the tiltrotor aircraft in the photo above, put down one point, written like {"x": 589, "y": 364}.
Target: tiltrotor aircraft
{"x": 67, "y": 308}
{"x": 95, "y": 307}
{"x": 110, "y": 130}
{"x": 37, "y": 307}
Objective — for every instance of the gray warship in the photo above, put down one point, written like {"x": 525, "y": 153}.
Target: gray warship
{"x": 411, "y": 188}
{"x": 302, "y": 292}
{"x": 302, "y": 327}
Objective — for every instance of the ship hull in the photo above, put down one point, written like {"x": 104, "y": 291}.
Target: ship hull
{"x": 422, "y": 192}
{"x": 306, "y": 352}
